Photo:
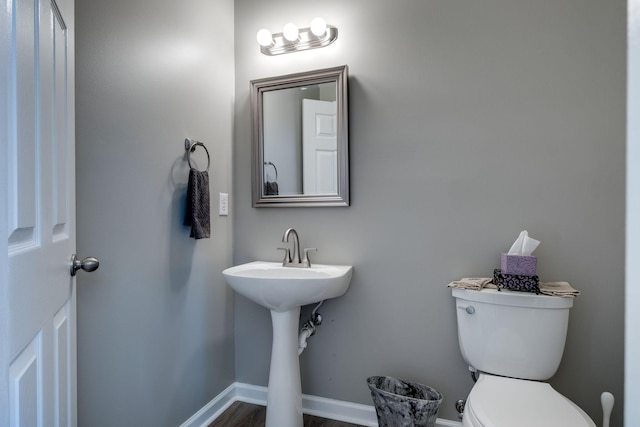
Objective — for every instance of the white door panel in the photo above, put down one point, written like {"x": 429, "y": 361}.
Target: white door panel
{"x": 41, "y": 215}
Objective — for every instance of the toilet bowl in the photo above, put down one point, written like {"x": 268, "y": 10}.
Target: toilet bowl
{"x": 515, "y": 341}
{"x": 507, "y": 402}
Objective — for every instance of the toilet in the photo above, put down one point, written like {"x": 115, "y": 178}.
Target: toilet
{"x": 514, "y": 341}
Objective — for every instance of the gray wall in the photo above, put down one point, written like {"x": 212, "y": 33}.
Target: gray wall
{"x": 155, "y": 322}
{"x": 469, "y": 121}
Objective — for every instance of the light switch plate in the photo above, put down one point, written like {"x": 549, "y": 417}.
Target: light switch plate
{"x": 223, "y": 206}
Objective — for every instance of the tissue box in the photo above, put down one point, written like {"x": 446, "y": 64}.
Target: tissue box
{"x": 518, "y": 264}
{"x": 515, "y": 282}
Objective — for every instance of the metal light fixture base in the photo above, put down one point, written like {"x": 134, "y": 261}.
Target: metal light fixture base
{"x": 306, "y": 40}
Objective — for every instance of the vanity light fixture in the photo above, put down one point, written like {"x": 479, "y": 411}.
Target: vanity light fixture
{"x": 292, "y": 39}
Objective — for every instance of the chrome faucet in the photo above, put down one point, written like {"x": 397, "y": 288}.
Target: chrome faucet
{"x": 293, "y": 259}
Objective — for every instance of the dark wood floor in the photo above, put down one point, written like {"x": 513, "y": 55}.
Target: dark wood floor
{"x": 241, "y": 414}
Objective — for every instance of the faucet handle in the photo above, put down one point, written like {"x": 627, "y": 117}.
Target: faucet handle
{"x": 287, "y": 256}
{"x": 306, "y": 262}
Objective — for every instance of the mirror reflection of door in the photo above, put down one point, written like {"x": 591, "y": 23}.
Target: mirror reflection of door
{"x": 319, "y": 147}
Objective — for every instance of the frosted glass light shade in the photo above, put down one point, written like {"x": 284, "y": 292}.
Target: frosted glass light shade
{"x": 290, "y": 32}
{"x": 264, "y": 37}
{"x": 318, "y": 26}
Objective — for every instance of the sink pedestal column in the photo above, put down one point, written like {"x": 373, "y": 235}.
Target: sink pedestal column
{"x": 284, "y": 396}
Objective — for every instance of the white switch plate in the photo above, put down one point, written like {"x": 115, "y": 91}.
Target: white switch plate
{"x": 223, "y": 207}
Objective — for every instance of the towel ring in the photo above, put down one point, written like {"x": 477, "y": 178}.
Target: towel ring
{"x": 190, "y": 146}
{"x": 274, "y": 168}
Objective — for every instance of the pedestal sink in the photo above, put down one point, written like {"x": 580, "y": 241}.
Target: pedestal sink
{"x": 283, "y": 290}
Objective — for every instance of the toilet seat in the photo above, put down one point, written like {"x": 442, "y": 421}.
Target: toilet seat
{"x": 507, "y": 402}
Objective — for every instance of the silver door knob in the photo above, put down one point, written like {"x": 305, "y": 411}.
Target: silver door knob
{"x": 87, "y": 264}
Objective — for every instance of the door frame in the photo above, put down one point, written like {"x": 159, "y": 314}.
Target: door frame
{"x": 5, "y": 67}
{"x": 632, "y": 288}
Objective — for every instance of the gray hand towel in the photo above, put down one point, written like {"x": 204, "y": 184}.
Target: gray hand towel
{"x": 198, "y": 214}
{"x": 271, "y": 188}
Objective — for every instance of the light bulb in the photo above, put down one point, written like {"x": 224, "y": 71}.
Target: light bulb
{"x": 264, "y": 37}
{"x": 318, "y": 26}
{"x": 290, "y": 32}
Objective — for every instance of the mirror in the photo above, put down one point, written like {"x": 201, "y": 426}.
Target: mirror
{"x": 300, "y": 139}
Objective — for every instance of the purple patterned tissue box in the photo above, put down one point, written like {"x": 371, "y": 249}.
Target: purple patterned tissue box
{"x": 515, "y": 282}
{"x": 518, "y": 264}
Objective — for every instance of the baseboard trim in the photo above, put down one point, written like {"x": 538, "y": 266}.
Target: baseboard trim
{"x": 355, "y": 413}
{"x": 212, "y": 410}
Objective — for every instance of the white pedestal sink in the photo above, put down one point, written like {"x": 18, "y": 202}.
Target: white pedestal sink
{"x": 283, "y": 290}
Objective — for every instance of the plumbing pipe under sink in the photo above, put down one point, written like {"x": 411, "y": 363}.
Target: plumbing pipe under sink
{"x": 305, "y": 333}
{"x": 309, "y": 328}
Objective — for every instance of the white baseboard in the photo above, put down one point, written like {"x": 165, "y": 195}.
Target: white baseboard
{"x": 355, "y": 413}
{"x": 212, "y": 410}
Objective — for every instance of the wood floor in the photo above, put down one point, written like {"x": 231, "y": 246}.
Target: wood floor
{"x": 241, "y": 414}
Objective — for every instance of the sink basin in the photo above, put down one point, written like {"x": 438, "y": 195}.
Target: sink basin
{"x": 281, "y": 288}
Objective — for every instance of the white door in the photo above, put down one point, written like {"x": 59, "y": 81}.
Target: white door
{"x": 40, "y": 228}
{"x": 319, "y": 147}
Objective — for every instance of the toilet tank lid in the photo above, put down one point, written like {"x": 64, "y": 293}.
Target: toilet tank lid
{"x": 512, "y": 298}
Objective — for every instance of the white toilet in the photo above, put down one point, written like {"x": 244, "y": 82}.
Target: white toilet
{"x": 515, "y": 341}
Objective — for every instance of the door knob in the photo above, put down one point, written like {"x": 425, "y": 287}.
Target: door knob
{"x": 88, "y": 264}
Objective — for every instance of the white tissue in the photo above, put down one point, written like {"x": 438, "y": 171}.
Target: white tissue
{"x": 524, "y": 245}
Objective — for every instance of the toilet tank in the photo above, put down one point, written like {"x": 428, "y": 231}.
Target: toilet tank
{"x": 513, "y": 334}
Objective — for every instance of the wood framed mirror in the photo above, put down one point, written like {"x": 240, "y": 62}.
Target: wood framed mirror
{"x": 300, "y": 147}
